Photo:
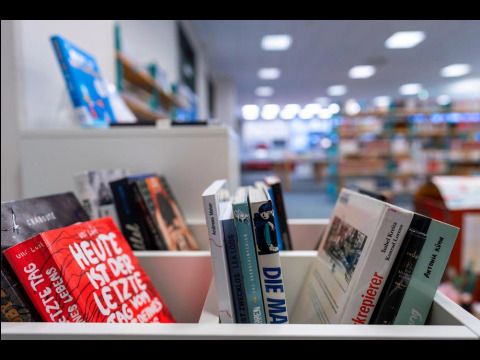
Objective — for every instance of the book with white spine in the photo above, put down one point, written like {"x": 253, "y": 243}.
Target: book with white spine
{"x": 215, "y": 198}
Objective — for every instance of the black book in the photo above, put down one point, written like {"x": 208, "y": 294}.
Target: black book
{"x": 21, "y": 220}
{"x": 132, "y": 222}
{"x": 399, "y": 277}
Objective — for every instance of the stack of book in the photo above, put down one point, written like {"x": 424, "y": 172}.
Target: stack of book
{"x": 60, "y": 266}
{"x": 142, "y": 205}
{"x": 377, "y": 264}
{"x": 246, "y": 232}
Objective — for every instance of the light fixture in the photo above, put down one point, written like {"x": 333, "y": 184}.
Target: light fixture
{"x": 323, "y": 101}
{"x": 276, "y": 42}
{"x": 410, "y": 89}
{"x": 334, "y": 108}
{"x": 382, "y": 101}
{"x": 270, "y": 111}
{"x": 269, "y": 73}
{"x": 455, "y": 70}
{"x": 352, "y": 107}
{"x": 466, "y": 87}
{"x": 264, "y": 91}
{"x": 404, "y": 39}
{"x": 337, "y": 90}
{"x": 444, "y": 100}
{"x": 325, "y": 113}
{"x": 250, "y": 112}
{"x": 361, "y": 71}
{"x": 290, "y": 111}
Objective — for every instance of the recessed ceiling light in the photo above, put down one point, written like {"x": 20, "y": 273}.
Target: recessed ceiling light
{"x": 444, "y": 100}
{"x": 290, "y": 111}
{"x": 337, "y": 90}
{"x": 250, "y": 112}
{"x": 334, "y": 108}
{"x": 361, "y": 71}
{"x": 264, "y": 91}
{"x": 352, "y": 107}
{"x": 322, "y": 100}
{"x": 469, "y": 87}
{"x": 410, "y": 89}
{"x": 276, "y": 42}
{"x": 382, "y": 101}
{"x": 269, "y": 73}
{"x": 404, "y": 39}
{"x": 270, "y": 111}
{"x": 455, "y": 70}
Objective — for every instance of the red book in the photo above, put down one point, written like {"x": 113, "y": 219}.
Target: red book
{"x": 86, "y": 272}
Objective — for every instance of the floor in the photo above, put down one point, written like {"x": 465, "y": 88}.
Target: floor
{"x": 307, "y": 199}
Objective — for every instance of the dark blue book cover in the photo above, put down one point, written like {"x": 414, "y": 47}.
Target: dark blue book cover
{"x": 235, "y": 271}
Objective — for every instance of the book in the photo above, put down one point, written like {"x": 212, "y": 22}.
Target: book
{"x": 86, "y": 272}
{"x": 275, "y": 190}
{"x": 427, "y": 274}
{"x": 93, "y": 190}
{"x": 354, "y": 258}
{"x": 176, "y": 233}
{"x": 213, "y": 196}
{"x": 396, "y": 284}
{"x": 132, "y": 221}
{"x": 22, "y": 219}
{"x": 270, "y": 269}
{"x": 248, "y": 257}
{"x": 234, "y": 267}
{"x": 87, "y": 88}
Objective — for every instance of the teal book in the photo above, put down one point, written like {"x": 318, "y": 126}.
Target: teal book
{"x": 427, "y": 274}
{"x": 248, "y": 257}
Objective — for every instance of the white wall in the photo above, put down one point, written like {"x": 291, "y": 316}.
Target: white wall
{"x": 146, "y": 41}
{"x": 9, "y": 120}
{"x": 40, "y": 79}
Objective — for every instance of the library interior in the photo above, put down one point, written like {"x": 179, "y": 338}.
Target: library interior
{"x": 150, "y": 122}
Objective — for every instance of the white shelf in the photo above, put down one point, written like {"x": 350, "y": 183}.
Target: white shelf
{"x": 184, "y": 280}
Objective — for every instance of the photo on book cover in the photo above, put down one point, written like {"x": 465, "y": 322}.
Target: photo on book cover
{"x": 265, "y": 229}
{"x": 344, "y": 245}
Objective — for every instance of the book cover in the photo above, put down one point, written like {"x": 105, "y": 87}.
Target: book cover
{"x": 212, "y": 198}
{"x": 265, "y": 187}
{"x": 145, "y": 203}
{"x": 86, "y": 272}
{"x": 372, "y": 277}
{"x": 87, "y": 88}
{"x": 278, "y": 202}
{"x": 21, "y": 220}
{"x": 270, "y": 269}
{"x": 176, "y": 233}
{"x": 427, "y": 274}
{"x": 248, "y": 257}
{"x": 93, "y": 190}
{"x": 342, "y": 254}
{"x": 397, "y": 282}
{"x": 132, "y": 222}
{"x": 234, "y": 267}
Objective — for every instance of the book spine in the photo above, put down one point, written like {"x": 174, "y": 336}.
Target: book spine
{"x": 219, "y": 260}
{"x": 427, "y": 274}
{"x": 236, "y": 279}
{"x": 62, "y": 60}
{"x": 270, "y": 269}
{"x": 277, "y": 220}
{"x": 401, "y": 272}
{"x": 43, "y": 282}
{"x": 249, "y": 264}
{"x": 86, "y": 195}
{"x": 372, "y": 277}
{"x": 158, "y": 242}
{"x": 131, "y": 229}
{"x": 280, "y": 206}
{"x": 15, "y": 304}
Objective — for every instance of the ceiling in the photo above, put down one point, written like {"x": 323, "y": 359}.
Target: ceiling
{"x": 323, "y": 51}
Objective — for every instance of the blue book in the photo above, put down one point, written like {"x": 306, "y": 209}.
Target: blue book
{"x": 234, "y": 267}
{"x": 248, "y": 257}
{"x": 88, "y": 90}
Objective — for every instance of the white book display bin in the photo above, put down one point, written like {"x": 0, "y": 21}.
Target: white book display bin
{"x": 184, "y": 279}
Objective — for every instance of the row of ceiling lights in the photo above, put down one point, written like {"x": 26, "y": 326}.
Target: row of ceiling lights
{"x": 399, "y": 40}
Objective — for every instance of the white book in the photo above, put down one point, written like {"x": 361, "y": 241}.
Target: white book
{"x": 270, "y": 269}
{"x": 354, "y": 258}
{"x": 214, "y": 199}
